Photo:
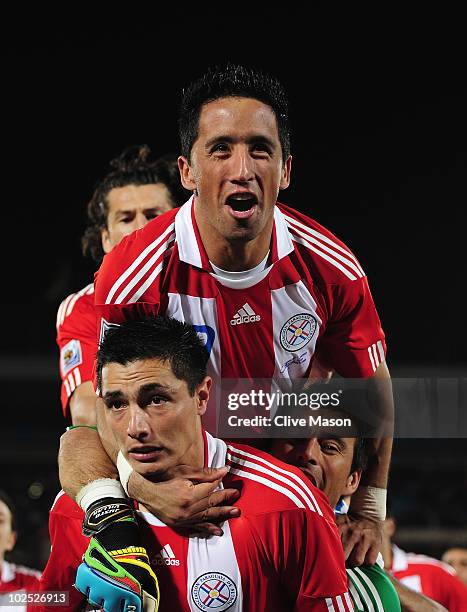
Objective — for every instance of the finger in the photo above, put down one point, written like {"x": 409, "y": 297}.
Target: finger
{"x": 225, "y": 497}
{"x": 349, "y": 541}
{"x": 371, "y": 554}
{"x": 206, "y": 529}
{"x": 203, "y": 491}
{"x": 200, "y": 474}
{"x": 358, "y": 554}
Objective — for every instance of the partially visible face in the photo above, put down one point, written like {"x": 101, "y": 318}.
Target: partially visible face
{"x": 457, "y": 558}
{"x": 236, "y": 168}
{"x": 130, "y": 208}
{"x": 155, "y": 421}
{"x": 7, "y": 535}
{"x": 327, "y": 462}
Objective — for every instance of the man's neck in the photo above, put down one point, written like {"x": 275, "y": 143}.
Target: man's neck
{"x": 234, "y": 255}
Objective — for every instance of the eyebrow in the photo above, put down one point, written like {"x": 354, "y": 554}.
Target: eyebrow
{"x": 229, "y": 139}
{"x": 110, "y": 396}
{"x": 121, "y": 212}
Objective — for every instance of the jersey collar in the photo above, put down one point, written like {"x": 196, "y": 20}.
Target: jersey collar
{"x": 191, "y": 249}
{"x": 7, "y": 573}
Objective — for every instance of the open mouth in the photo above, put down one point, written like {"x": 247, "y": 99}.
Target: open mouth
{"x": 242, "y": 205}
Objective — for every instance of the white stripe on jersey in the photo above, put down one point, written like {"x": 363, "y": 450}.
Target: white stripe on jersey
{"x": 348, "y": 601}
{"x": 323, "y": 238}
{"x": 268, "y": 483}
{"x": 77, "y": 375}
{"x": 305, "y": 489}
{"x": 204, "y": 554}
{"x": 121, "y": 279}
{"x": 379, "y": 344}
{"x": 72, "y": 383}
{"x": 370, "y": 353}
{"x": 362, "y": 589}
{"x": 62, "y": 309}
{"x": 139, "y": 275}
{"x": 324, "y": 256}
{"x": 340, "y": 604}
{"x": 375, "y": 355}
{"x": 67, "y": 387}
{"x": 355, "y": 595}
{"x": 371, "y": 588}
{"x": 147, "y": 283}
{"x": 248, "y": 464}
{"x": 72, "y": 303}
{"x": 347, "y": 261}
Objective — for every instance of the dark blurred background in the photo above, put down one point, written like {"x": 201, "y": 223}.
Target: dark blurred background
{"x": 378, "y": 112}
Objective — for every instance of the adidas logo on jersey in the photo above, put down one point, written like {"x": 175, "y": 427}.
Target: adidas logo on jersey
{"x": 166, "y": 557}
{"x": 245, "y": 314}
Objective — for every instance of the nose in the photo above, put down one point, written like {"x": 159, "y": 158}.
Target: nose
{"x": 138, "y": 425}
{"x": 140, "y": 221}
{"x": 242, "y": 165}
{"x": 310, "y": 450}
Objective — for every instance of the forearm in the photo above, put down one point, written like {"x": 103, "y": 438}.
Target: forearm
{"x": 82, "y": 459}
{"x": 414, "y": 602}
{"x": 83, "y": 405}
{"x": 379, "y": 449}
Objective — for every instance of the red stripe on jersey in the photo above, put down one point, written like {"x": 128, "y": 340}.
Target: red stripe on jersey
{"x": 273, "y": 476}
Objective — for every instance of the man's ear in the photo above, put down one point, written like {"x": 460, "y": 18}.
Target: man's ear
{"x": 105, "y": 239}
{"x": 286, "y": 170}
{"x": 202, "y": 394}
{"x": 353, "y": 480}
{"x": 186, "y": 174}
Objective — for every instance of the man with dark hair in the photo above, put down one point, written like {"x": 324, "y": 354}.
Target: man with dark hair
{"x": 13, "y": 578}
{"x": 284, "y": 554}
{"x": 136, "y": 190}
{"x": 274, "y": 293}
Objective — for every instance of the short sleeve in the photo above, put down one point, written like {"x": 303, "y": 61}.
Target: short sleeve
{"x": 353, "y": 343}
{"x": 77, "y": 342}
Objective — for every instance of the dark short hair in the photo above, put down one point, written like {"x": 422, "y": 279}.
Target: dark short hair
{"x": 133, "y": 166}
{"x": 159, "y": 338}
{"x": 227, "y": 81}
{"x": 6, "y": 499}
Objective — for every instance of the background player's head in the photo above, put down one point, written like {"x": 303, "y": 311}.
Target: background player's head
{"x": 137, "y": 189}
{"x": 154, "y": 387}
{"x": 235, "y": 146}
{"x": 457, "y": 558}
{"x": 333, "y": 464}
{"x": 7, "y": 525}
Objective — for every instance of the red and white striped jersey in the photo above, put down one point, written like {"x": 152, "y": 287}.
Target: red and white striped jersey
{"x": 16, "y": 579}
{"x": 431, "y": 577}
{"x": 311, "y": 299}
{"x": 282, "y": 553}
{"x": 76, "y": 339}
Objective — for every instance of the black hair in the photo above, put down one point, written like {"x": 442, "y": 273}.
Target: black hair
{"x": 6, "y": 499}
{"x": 232, "y": 80}
{"x": 159, "y": 338}
{"x": 133, "y": 166}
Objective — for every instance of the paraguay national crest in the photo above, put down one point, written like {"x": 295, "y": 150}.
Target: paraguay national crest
{"x": 214, "y": 591}
{"x": 297, "y": 331}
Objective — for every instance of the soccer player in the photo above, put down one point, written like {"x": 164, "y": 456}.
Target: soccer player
{"x": 13, "y": 578}
{"x": 423, "y": 574}
{"x": 334, "y": 465}
{"x": 136, "y": 190}
{"x": 281, "y": 554}
{"x": 457, "y": 558}
{"x": 272, "y": 291}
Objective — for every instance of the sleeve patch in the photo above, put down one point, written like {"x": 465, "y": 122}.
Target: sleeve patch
{"x": 70, "y": 356}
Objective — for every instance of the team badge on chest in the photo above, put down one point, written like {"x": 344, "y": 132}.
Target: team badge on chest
{"x": 298, "y": 331}
{"x": 214, "y": 591}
